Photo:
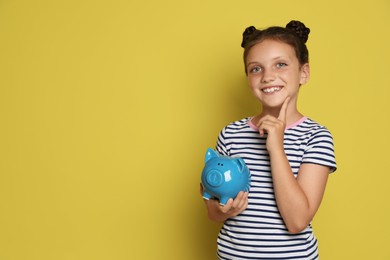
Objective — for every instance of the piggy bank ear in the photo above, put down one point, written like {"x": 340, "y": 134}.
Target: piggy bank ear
{"x": 241, "y": 164}
{"x": 210, "y": 153}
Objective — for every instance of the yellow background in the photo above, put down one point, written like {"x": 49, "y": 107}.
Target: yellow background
{"x": 107, "y": 108}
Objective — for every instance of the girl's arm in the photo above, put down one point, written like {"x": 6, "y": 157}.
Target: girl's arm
{"x": 298, "y": 199}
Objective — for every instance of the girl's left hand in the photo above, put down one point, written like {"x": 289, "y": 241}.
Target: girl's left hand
{"x": 274, "y": 127}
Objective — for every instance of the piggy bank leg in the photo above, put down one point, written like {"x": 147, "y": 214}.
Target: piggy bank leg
{"x": 206, "y": 195}
{"x": 223, "y": 200}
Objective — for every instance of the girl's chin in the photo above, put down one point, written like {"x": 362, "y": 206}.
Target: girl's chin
{"x": 272, "y": 103}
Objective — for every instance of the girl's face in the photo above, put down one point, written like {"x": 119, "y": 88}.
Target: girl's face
{"x": 274, "y": 73}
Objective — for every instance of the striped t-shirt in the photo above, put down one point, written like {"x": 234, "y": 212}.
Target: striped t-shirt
{"x": 259, "y": 232}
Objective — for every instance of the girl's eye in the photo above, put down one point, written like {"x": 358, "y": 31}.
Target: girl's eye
{"x": 281, "y": 65}
{"x": 255, "y": 69}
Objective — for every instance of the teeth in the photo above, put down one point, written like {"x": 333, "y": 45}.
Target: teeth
{"x": 270, "y": 90}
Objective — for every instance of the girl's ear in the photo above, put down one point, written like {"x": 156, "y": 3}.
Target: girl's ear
{"x": 305, "y": 74}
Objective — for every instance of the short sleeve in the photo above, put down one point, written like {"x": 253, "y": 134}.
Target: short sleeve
{"x": 221, "y": 145}
{"x": 320, "y": 149}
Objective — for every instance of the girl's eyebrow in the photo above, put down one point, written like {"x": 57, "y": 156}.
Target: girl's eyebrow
{"x": 252, "y": 62}
{"x": 273, "y": 59}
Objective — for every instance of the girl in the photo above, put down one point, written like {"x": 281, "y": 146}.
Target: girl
{"x": 288, "y": 154}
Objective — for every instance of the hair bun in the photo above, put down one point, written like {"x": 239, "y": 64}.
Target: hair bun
{"x": 300, "y": 29}
{"x": 246, "y": 34}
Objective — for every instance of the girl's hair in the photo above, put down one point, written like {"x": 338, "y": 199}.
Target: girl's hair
{"x": 295, "y": 34}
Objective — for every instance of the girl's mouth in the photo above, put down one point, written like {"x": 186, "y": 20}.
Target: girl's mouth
{"x": 270, "y": 90}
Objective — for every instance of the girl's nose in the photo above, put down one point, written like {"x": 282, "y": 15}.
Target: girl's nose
{"x": 268, "y": 76}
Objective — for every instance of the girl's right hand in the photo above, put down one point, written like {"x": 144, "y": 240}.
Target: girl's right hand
{"x": 232, "y": 208}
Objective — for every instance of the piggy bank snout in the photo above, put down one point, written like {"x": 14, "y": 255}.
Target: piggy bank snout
{"x": 214, "y": 178}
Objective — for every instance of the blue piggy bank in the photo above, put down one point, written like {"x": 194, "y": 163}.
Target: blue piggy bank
{"x": 223, "y": 177}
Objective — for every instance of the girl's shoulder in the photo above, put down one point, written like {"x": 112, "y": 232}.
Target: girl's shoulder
{"x": 239, "y": 124}
{"x": 308, "y": 128}
{"x": 307, "y": 124}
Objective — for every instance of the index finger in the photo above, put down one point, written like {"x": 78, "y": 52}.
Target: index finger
{"x": 283, "y": 110}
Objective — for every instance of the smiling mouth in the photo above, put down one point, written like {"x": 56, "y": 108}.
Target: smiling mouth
{"x": 271, "y": 90}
